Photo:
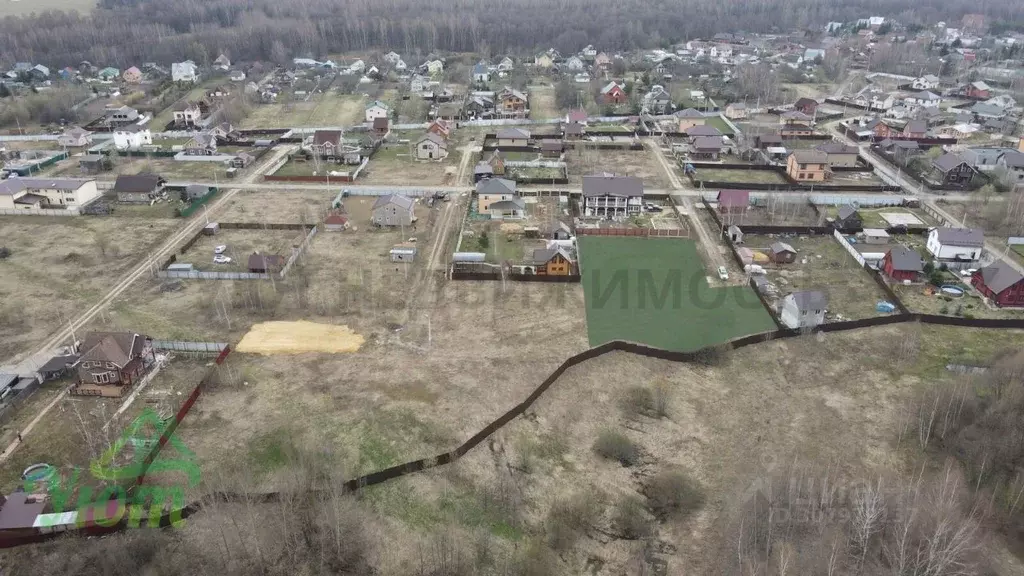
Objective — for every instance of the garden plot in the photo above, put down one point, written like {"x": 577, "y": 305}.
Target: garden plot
{"x": 506, "y": 240}
{"x": 321, "y": 110}
{"x": 395, "y": 164}
{"x": 238, "y": 246}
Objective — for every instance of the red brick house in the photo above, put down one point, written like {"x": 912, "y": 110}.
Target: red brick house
{"x": 978, "y": 90}
{"x": 111, "y": 363}
{"x": 1001, "y": 283}
{"x": 902, "y": 263}
{"x": 881, "y": 129}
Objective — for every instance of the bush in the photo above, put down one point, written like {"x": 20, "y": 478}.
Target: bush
{"x": 4, "y": 252}
{"x": 672, "y": 493}
{"x": 615, "y": 445}
{"x": 630, "y": 519}
{"x": 570, "y": 519}
{"x": 712, "y": 355}
{"x": 639, "y": 401}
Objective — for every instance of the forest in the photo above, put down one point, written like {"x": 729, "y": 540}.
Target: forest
{"x": 126, "y": 32}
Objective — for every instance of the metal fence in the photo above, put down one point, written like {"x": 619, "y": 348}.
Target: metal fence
{"x": 204, "y": 275}
{"x": 1015, "y": 240}
{"x": 534, "y": 164}
{"x": 190, "y": 347}
{"x": 40, "y": 212}
{"x": 298, "y": 251}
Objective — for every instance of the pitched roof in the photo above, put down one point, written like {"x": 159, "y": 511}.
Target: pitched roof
{"x": 836, "y": 148}
{"x": 573, "y": 129}
{"x": 433, "y": 137}
{"x": 999, "y": 276}
{"x": 846, "y": 211}
{"x": 321, "y": 137}
{"x": 611, "y": 86}
{"x": 137, "y": 183}
{"x": 396, "y": 199}
{"x": 810, "y": 156}
{"x": 796, "y": 115}
{"x": 800, "y": 103}
{"x": 610, "y": 185}
{"x": 969, "y": 237}
{"x": 116, "y": 347}
{"x": 380, "y": 123}
{"x": 1014, "y": 159}
{"x": 733, "y": 198}
{"x": 513, "y": 134}
{"x": 916, "y": 126}
{"x": 780, "y": 247}
{"x": 906, "y": 259}
{"x": 691, "y": 113}
{"x": 577, "y": 116}
{"x": 482, "y": 167}
{"x": 544, "y": 255}
{"x": 708, "y": 143}
{"x": 12, "y": 186}
{"x": 496, "y": 186}
{"x": 512, "y": 203}
{"x": 702, "y": 131}
{"x": 948, "y": 161}
{"x": 809, "y": 300}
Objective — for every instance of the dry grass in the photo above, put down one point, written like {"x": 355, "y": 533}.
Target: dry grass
{"x": 639, "y": 163}
{"x": 23, "y": 8}
{"x": 60, "y": 266}
{"x": 322, "y": 110}
{"x": 240, "y": 244}
{"x": 542, "y": 102}
{"x": 396, "y": 165}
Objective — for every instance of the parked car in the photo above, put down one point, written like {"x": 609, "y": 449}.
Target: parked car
{"x": 723, "y": 273}
{"x": 968, "y": 273}
{"x": 221, "y": 259}
{"x": 220, "y": 249}
{"x": 652, "y": 208}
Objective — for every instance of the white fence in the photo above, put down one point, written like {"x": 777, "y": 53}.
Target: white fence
{"x": 182, "y": 157}
{"x": 1015, "y": 240}
{"x": 40, "y": 212}
{"x": 203, "y": 275}
{"x": 849, "y": 247}
{"x": 190, "y": 347}
{"x": 534, "y": 164}
{"x": 29, "y": 138}
{"x": 360, "y": 169}
{"x": 387, "y": 192}
{"x": 298, "y": 251}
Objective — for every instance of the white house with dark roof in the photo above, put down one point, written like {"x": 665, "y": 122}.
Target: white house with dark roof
{"x": 804, "y": 309}
{"x": 184, "y": 71}
{"x": 132, "y": 137}
{"x": 46, "y": 193}
{"x": 393, "y": 210}
{"x": 955, "y": 244}
{"x": 609, "y": 196}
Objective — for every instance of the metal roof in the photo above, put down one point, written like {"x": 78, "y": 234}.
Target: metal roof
{"x": 610, "y": 185}
{"x": 999, "y": 276}
{"x": 809, "y": 300}
{"x": 906, "y": 259}
{"x": 968, "y": 237}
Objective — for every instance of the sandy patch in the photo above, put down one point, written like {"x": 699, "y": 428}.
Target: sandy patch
{"x": 298, "y": 338}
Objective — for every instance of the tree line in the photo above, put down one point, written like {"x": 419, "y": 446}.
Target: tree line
{"x": 128, "y": 32}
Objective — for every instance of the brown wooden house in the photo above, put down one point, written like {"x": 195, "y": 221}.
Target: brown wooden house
{"x": 111, "y": 363}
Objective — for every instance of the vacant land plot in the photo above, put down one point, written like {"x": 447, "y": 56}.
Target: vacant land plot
{"x": 169, "y": 168}
{"x": 855, "y": 178}
{"x": 639, "y": 163}
{"x": 60, "y": 266}
{"x": 321, "y": 110}
{"x": 278, "y": 206}
{"x": 876, "y": 217}
{"x": 542, "y": 102}
{"x": 161, "y": 119}
{"x": 655, "y": 291}
{"x": 776, "y": 210}
{"x": 822, "y": 264}
{"x": 397, "y": 165}
{"x": 726, "y": 175}
{"x": 240, "y": 244}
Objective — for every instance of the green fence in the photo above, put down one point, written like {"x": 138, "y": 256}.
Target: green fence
{"x": 196, "y": 204}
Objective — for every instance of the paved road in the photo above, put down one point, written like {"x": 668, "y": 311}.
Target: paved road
{"x": 28, "y": 364}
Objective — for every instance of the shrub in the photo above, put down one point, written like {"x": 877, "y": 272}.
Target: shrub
{"x": 662, "y": 393}
{"x": 639, "y": 401}
{"x": 569, "y": 519}
{"x": 4, "y": 252}
{"x": 615, "y": 445}
{"x": 630, "y": 519}
{"x": 672, "y": 493}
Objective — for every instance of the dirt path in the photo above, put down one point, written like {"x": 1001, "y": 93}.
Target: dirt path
{"x": 673, "y": 179}
{"x": 196, "y": 222}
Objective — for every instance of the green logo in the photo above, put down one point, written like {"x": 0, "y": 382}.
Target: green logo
{"x": 117, "y": 468}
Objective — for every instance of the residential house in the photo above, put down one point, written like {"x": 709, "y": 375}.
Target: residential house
{"x": 1000, "y": 283}
{"x": 187, "y": 115}
{"x": 120, "y": 115}
{"x": 978, "y": 91}
{"x": 201, "y": 144}
{"x": 419, "y": 84}
{"x": 795, "y": 131}
{"x": 184, "y": 72}
{"x": 94, "y": 163}
{"x": 497, "y": 163}
{"x": 806, "y": 106}
{"x": 512, "y": 209}
{"x": 602, "y": 61}
{"x": 955, "y": 171}
{"x": 573, "y": 131}
{"x": 984, "y": 159}
{"x": 847, "y": 219}
{"x": 657, "y": 100}
{"x": 880, "y": 129}
{"x": 265, "y": 263}
{"x": 1013, "y": 164}
{"x": 108, "y": 73}
{"x": 132, "y": 137}
{"x": 506, "y": 65}
{"x": 576, "y": 116}
{"x": 900, "y": 112}
{"x": 915, "y": 129}
{"x": 513, "y": 137}
{"x": 479, "y": 106}
{"x": 614, "y": 93}
{"x": 39, "y": 72}
{"x": 707, "y": 147}
{"x": 132, "y": 75}
{"x": 924, "y": 99}
{"x": 736, "y": 111}
{"x": 442, "y": 128}
{"x": 242, "y": 160}
{"x": 225, "y": 131}
{"x": 574, "y": 64}
{"x": 544, "y": 60}
{"x": 610, "y": 196}
{"x": 955, "y": 244}
{"x": 804, "y": 309}
{"x": 702, "y": 131}
{"x": 781, "y": 253}
{"x": 903, "y": 264}
{"x": 512, "y": 102}
{"x": 807, "y": 166}
{"x": 430, "y": 146}
{"x": 551, "y": 148}
{"x": 839, "y": 155}
{"x": 138, "y": 188}
{"x": 392, "y": 57}
{"x": 555, "y": 261}
{"x": 327, "y": 144}
{"x": 795, "y": 117}
{"x": 376, "y": 109}
{"x": 46, "y": 193}
{"x": 237, "y": 76}
{"x": 493, "y": 190}
{"x": 57, "y": 367}
{"x": 589, "y": 52}
{"x": 735, "y": 234}
{"x": 557, "y": 230}
{"x": 768, "y": 141}
{"x": 111, "y": 362}
{"x": 959, "y": 131}
{"x": 733, "y": 201}
{"x": 875, "y": 99}
{"x": 222, "y": 63}
{"x": 983, "y": 111}
{"x": 435, "y": 67}
{"x": 197, "y": 191}
{"x": 393, "y": 210}
{"x": 335, "y": 222}
{"x": 1004, "y": 101}
{"x": 481, "y": 73}
{"x": 875, "y": 236}
{"x": 689, "y": 118}
{"x": 75, "y": 137}
{"x": 482, "y": 171}
{"x": 926, "y": 82}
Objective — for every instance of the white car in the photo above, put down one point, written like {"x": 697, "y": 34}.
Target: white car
{"x": 968, "y": 273}
{"x": 723, "y": 273}
{"x": 220, "y": 249}
{"x": 221, "y": 259}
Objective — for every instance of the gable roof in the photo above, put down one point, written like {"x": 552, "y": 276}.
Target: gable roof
{"x": 733, "y": 198}
{"x": 496, "y": 186}
{"x": 836, "y": 148}
{"x": 12, "y": 186}
{"x": 514, "y": 202}
{"x": 846, "y": 211}
{"x": 948, "y": 161}
{"x": 577, "y": 116}
{"x": 544, "y": 255}
{"x": 380, "y": 123}
{"x": 321, "y": 137}
{"x": 999, "y": 276}
{"x": 116, "y": 347}
{"x": 969, "y": 237}
{"x": 137, "y": 183}
{"x": 708, "y": 143}
{"x": 433, "y": 137}
{"x": 513, "y": 134}
{"x": 780, "y": 247}
{"x": 809, "y": 300}
{"x": 1014, "y": 159}
{"x": 810, "y": 156}
{"x": 611, "y": 86}
{"x": 703, "y": 131}
{"x": 916, "y": 126}
{"x": 691, "y": 113}
{"x": 610, "y": 185}
{"x": 802, "y": 102}
{"x": 398, "y": 200}
{"x": 906, "y": 259}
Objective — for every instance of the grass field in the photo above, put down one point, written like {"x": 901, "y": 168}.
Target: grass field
{"x": 655, "y": 291}
{"x": 329, "y": 109}
{"x": 720, "y": 175}
{"x": 719, "y": 123}
{"x": 542, "y": 103}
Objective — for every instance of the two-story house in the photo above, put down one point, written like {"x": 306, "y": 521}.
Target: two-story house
{"x": 1013, "y": 164}
{"x": 201, "y": 144}
{"x": 46, "y": 193}
{"x": 839, "y": 155}
{"x": 430, "y": 146}
{"x": 184, "y": 72}
{"x": 610, "y": 196}
{"x": 138, "y": 188}
{"x": 376, "y": 109}
{"x": 493, "y": 190}
{"x": 954, "y": 170}
{"x": 807, "y": 166}
{"x": 1001, "y": 283}
{"x": 923, "y": 99}
{"x": 804, "y": 309}
{"x": 926, "y": 82}
{"x": 393, "y": 210}
{"x": 187, "y": 115}
{"x": 120, "y": 116}
{"x": 326, "y": 144}
{"x": 512, "y": 102}
{"x": 955, "y": 244}
{"x": 75, "y": 137}
{"x": 657, "y": 100}
{"x": 132, "y": 137}
{"x": 111, "y": 363}
{"x": 614, "y": 93}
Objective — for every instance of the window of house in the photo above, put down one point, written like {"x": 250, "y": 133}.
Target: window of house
{"x": 802, "y": 176}
{"x": 803, "y": 166}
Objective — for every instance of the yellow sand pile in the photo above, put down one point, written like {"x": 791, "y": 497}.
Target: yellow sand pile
{"x": 298, "y": 338}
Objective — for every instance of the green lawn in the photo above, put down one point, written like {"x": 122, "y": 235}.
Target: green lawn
{"x": 719, "y": 122}
{"x": 654, "y": 291}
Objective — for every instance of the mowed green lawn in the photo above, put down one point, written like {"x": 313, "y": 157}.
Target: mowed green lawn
{"x": 655, "y": 291}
